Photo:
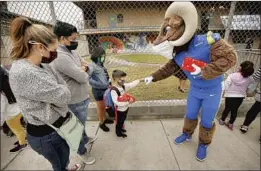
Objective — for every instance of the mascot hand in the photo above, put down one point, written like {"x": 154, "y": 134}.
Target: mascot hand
{"x": 148, "y": 80}
{"x": 165, "y": 49}
{"x": 197, "y": 73}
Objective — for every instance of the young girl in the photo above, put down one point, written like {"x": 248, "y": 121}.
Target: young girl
{"x": 11, "y": 112}
{"x": 236, "y": 86}
{"x": 118, "y": 90}
{"x": 99, "y": 80}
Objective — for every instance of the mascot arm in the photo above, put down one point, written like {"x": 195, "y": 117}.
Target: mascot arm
{"x": 166, "y": 71}
{"x": 223, "y": 57}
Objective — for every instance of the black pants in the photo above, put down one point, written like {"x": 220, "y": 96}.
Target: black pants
{"x": 252, "y": 113}
{"x": 231, "y": 105}
{"x": 120, "y": 119}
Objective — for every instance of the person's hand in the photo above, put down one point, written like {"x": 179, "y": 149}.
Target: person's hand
{"x": 84, "y": 63}
{"x": 84, "y": 68}
{"x": 132, "y": 100}
{"x": 148, "y": 80}
{"x": 197, "y": 73}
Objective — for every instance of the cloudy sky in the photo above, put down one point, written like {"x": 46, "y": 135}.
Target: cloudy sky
{"x": 65, "y": 11}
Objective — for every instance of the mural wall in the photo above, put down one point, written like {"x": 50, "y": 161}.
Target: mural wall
{"x": 141, "y": 42}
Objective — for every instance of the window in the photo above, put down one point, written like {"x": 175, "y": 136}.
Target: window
{"x": 120, "y": 18}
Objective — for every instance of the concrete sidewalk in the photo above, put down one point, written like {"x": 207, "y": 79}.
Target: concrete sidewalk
{"x": 149, "y": 146}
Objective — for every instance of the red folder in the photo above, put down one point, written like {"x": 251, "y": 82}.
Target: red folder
{"x": 187, "y": 64}
{"x": 126, "y": 97}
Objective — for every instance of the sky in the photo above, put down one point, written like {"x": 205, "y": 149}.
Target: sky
{"x": 65, "y": 11}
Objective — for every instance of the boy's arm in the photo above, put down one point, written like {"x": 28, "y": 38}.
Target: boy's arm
{"x": 131, "y": 84}
{"x": 114, "y": 97}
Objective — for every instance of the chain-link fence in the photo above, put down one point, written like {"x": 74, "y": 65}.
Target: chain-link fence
{"x": 127, "y": 29}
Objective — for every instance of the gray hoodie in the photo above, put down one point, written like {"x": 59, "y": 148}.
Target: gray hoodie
{"x": 68, "y": 64}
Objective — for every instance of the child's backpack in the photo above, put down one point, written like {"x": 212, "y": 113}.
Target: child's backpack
{"x": 109, "y": 105}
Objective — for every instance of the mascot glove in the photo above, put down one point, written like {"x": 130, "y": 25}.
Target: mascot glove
{"x": 148, "y": 80}
{"x": 164, "y": 49}
{"x": 197, "y": 73}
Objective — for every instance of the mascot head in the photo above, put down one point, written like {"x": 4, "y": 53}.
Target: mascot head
{"x": 179, "y": 26}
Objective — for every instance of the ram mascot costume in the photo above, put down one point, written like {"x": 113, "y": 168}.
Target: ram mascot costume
{"x": 204, "y": 59}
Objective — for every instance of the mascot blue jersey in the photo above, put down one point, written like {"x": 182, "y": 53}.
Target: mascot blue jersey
{"x": 199, "y": 49}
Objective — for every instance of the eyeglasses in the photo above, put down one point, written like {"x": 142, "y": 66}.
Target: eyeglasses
{"x": 37, "y": 43}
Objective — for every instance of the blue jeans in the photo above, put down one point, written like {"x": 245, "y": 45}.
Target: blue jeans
{"x": 81, "y": 110}
{"x": 207, "y": 100}
{"x": 53, "y": 147}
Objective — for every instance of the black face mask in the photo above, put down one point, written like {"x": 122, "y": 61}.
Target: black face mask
{"x": 73, "y": 46}
{"x": 53, "y": 56}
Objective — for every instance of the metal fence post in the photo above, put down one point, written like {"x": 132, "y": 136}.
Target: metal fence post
{"x": 52, "y": 12}
{"x": 230, "y": 19}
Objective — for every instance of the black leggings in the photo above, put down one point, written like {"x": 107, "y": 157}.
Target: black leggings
{"x": 231, "y": 105}
{"x": 252, "y": 113}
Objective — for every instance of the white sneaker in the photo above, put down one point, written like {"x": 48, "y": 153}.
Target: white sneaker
{"x": 92, "y": 139}
{"x": 87, "y": 158}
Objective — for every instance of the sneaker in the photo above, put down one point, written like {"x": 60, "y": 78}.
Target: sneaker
{"x": 108, "y": 121}
{"x": 87, "y": 158}
{"x": 201, "y": 152}
{"x": 122, "y": 135}
{"x": 17, "y": 142}
{"x": 221, "y": 122}
{"x": 104, "y": 127}
{"x": 18, "y": 148}
{"x": 182, "y": 138}
{"x": 92, "y": 139}
{"x": 230, "y": 126}
{"x": 123, "y": 130}
{"x": 75, "y": 167}
{"x": 244, "y": 129}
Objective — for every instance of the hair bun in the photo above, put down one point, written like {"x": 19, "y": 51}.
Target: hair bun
{"x": 19, "y": 26}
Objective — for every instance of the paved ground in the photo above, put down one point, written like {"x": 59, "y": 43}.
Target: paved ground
{"x": 149, "y": 146}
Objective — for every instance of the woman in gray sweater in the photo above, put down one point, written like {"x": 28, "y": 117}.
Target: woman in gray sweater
{"x": 40, "y": 92}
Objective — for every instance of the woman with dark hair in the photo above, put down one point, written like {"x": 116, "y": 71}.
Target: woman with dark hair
{"x": 11, "y": 113}
{"x": 235, "y": 91}
{"x": 99, "y": 80}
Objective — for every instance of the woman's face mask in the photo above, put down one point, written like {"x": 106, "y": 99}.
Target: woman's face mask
{"x": 52, "y": 54}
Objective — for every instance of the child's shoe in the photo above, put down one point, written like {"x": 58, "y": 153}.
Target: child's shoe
{"x": 230, "y": 126}
{"x": 108, "y": 121}
{"x": 182, "y": 138}
{"x": 201, "y": 152}
{"x": 243, "y": 129}
{"x": 221, "y": 122}
{"x": 123, "y": 130}
{"x": 122, "y": 135}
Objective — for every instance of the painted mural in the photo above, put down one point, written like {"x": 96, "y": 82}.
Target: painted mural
{"x": 127, "y": 42}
